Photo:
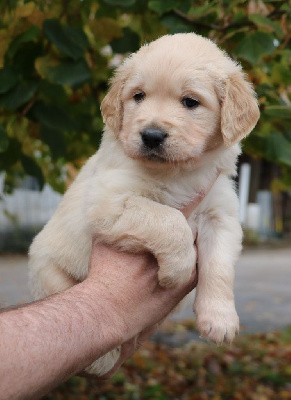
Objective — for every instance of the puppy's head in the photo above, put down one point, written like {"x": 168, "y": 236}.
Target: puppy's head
{"x": 177, "y": 98}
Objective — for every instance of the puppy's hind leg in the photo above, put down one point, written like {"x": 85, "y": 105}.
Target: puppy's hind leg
{"x": 105, "y": 363}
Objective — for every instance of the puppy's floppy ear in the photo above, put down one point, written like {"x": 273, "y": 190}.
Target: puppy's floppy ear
{"x": 240, "y": 111}
{"x": 111, "y": 106}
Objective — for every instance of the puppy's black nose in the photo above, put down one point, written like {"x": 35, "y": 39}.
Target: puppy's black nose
{"x": 153, "y": 137}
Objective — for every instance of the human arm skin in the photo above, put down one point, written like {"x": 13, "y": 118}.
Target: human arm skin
{"x": 46, "y": 342}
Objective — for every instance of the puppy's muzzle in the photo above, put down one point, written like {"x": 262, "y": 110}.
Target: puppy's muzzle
{"x": 153, "y": 138}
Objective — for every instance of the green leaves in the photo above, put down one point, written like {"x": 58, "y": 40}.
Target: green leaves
{"x": 55, "y": 140}
{"x": 56, "y": 59}
{"x": 273, "y": 139}
{"x": 19, "y": 95}
{"x": 162, "y": 7}
{"x": 4, "y": 141}
{"x": 281, "y": 74}
{"x": 129, "y": 42}
{"x": 254, "y": 45}
{"x": 120, "y": 3}
{"x": 278, "y": 112}
{"x": 10, "y": 154}
{"x": 53, "y": 117}
{"x": 266, "y": 23}
{"x": 69, "y": 73}
{"x": 32, "y": 168}
{"x": 8, "y": 79}
{"x": 176, "y": 24}
{"x": 31, "y": 35}
{"x": 54, "y": 122}
{"x": 31, "y": 74}
{"x": 70, "y": 41}
{"x": 278, "y": 148}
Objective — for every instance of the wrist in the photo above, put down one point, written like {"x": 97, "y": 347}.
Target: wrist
{"x": 101, "y": 312}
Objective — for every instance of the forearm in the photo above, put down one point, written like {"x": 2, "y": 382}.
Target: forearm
{"x": 33, "y": 353}
{"x": 44, "y": 343}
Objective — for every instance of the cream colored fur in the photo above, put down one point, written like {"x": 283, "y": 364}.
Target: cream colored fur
{"x": 131, "y": 200}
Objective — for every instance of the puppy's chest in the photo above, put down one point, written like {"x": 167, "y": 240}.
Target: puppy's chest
{"x": 177, "y": 193}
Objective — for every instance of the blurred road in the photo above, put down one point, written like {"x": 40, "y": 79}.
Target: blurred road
{"x": 13, "y": 280}
{"x": 262, "y": 288}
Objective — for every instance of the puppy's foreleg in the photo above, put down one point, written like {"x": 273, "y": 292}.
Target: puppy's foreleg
{"x": 147, "y": 225}
{"x": 219, "y": 245}
{"x": 165, "y": 232}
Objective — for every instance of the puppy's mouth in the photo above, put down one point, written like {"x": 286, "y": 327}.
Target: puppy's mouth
{"x": 154, "y": 155}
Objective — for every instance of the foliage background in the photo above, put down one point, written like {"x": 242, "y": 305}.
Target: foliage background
{"x": 55, "y": 63}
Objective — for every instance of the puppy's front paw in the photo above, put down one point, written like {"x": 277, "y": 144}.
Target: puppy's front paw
{"x": 218, "y": 322}
{"x": 177, "y": 270}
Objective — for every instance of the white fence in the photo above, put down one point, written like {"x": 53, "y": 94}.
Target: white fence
{"x": 28, "y": 208}
{"x": 23, "y": 214}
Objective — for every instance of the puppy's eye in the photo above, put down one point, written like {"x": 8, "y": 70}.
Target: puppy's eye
{"x": 139, "y": 96}
{"x": 188, "y": 102}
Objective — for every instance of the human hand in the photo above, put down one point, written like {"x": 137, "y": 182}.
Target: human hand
{"x": 133, "y": 287}
{"x": 137, "y": 302}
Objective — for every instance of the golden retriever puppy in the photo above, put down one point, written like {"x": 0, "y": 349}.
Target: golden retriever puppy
{"x": 174, "y": 115}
